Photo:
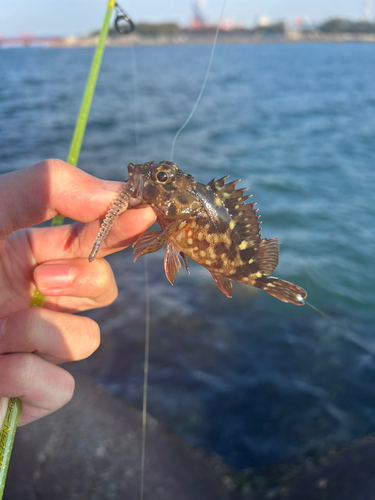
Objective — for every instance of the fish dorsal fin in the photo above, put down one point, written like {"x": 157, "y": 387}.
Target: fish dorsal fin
{"x": 244, "y": 215}
{"x": 268, "y": 255}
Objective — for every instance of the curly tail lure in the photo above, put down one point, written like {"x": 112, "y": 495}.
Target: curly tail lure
{"x": 119, "y": 206}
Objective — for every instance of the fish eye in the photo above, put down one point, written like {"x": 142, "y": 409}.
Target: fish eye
{"x": 162, "y": 176}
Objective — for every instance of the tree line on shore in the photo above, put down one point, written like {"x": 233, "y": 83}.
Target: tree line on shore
{"x": 331, "y": 26}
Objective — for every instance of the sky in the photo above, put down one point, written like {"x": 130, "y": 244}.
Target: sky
{"x": 79, "y": 17}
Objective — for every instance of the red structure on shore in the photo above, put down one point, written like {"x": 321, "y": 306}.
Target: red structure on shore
{"x": 26, "y": 40}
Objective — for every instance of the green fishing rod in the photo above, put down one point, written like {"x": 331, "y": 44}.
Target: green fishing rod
{"x": 12, "y": 407}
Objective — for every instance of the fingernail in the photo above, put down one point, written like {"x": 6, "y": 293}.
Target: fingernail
{"x": 2, "y": 328}
{"x": 54, "y": 275}
{"x": 113, "y": 186}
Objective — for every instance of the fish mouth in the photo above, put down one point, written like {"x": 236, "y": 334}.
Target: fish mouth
{"x": 135, "y": 184}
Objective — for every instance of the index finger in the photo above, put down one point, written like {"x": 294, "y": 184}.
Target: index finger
{"x": 52, "y": 187}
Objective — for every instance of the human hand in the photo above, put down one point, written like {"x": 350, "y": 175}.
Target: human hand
{"x": 33, "y": 341}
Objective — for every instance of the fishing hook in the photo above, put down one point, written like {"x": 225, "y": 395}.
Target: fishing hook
{"x": 121, "y": 16}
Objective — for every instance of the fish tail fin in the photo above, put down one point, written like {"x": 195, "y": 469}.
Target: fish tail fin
{"x": 282, "y": 290}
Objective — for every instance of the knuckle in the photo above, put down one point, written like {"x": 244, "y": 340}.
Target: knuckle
{"x": 18, "y": 374}
{"x": 25, "y": 370}
{"x": 25, "y": 323}
{"x": 91, "y": 339}
{"x": 114, "y": 294}
{"x": 32, "y": 317}
{"x": 111, "y": 296}
{"x": 103, "y": 274}
{"x": 94, "y": 336}
{"x": 104, "y": 283}
{"x": 52, "y": 167}
{"x": 55, "y": 171}
{"x": 68, "y": 386}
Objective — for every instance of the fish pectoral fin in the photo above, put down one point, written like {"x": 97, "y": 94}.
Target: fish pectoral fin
{"x": 152, "y": 241}
{"x": 185, "y": 261}
{"x": 225, "y": 284}
{"x": 172, "y": 264}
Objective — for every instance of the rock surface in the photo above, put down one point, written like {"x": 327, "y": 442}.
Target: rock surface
{"x": 343, "y": 473}
{"x": 91, "y": 449}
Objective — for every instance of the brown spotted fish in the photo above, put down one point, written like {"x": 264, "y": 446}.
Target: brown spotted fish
{"x": 210, "y": 223}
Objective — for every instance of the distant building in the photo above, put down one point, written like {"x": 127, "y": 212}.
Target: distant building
{"x": 263, "y": 21}
{"x": 304, "y": 24}
{"x": 198, "y": 20}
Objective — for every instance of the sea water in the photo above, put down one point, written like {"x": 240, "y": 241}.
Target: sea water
{"x": 250, "y": 378}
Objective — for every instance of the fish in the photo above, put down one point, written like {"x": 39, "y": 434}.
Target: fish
{"x": 209, "y": 223}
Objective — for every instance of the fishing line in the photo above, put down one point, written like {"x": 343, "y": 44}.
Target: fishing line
{"x": 319, "y": 311}
{"x": 204, "y": 82}
{"x": 147, "y": 291}
{"x": 135, "y": 103}
{"x": 146, "y": 280}
{"x": 345, "y": 331}
{"x": 145, "y": 376}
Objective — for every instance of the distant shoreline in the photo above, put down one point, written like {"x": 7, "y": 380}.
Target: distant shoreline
{"x": 224, "y": 38}
{"x": 195, "y": 38}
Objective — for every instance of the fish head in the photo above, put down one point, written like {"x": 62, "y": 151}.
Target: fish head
{"x": 163, "y": 186}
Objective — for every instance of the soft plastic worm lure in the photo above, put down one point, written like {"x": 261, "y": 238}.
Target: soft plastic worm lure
{"x": 120, "y": 204}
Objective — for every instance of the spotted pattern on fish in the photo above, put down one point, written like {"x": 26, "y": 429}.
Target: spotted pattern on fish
{"x": 211, "y": 224}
